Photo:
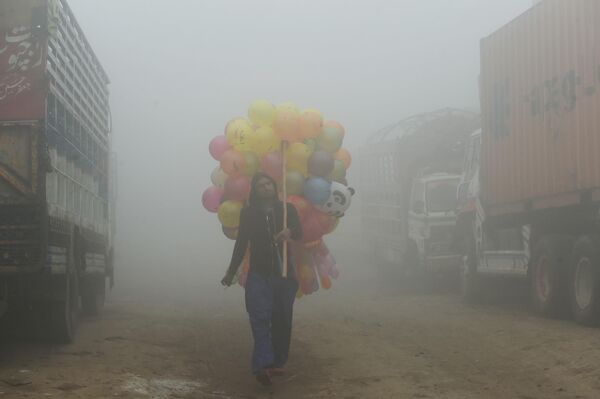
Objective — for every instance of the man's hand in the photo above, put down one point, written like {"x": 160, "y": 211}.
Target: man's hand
{"x": 285, "y": 235}
{"x": 227, "y": 280}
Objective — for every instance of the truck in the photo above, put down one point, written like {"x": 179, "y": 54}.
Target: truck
{"x": 56, "y": 178}
{"x": 409, "y": 176}
{"x": 529, "y": 197}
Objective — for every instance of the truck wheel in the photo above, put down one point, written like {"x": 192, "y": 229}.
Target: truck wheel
{"x": 548, "y": 274}
{"x": 64, "y": 313}
{"x": 469, "y": 278}
{"x": 585, "y": 281}
{"x": 93, "y": 296}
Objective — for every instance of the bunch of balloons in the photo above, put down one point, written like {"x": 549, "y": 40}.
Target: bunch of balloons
{"x": 314, "y": 173}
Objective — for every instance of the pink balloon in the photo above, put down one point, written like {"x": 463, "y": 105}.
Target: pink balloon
{"x": 211, "y": 198}
{"x": 237, "y": 188}
{"x": 218, "y": 146}
{"x": 271, "y": 164}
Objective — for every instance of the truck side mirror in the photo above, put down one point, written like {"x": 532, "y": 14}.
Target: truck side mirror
{"x": 418, "y": 207}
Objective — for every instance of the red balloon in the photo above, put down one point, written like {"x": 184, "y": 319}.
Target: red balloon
{"x": 312, "y": 230}
{"x": 237, "y": 188}
{"x": 302, "y": 206}
{"x": 272, "y": 165}
{"x": 211, "y": 198}
{"x": 218, "y": 146}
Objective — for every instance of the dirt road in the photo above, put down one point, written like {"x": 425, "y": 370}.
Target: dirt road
{"x": 352, "y": 342}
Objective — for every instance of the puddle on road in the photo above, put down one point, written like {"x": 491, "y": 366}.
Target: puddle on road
{"x": 162, "y": 388}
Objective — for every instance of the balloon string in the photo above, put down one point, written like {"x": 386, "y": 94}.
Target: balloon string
{"x": 285, "y": 223}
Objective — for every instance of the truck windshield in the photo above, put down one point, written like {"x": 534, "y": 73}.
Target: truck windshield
{"x": 441, "y": 195}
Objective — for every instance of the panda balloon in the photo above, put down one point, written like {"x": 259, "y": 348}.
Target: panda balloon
{"x": 339, "y": 200}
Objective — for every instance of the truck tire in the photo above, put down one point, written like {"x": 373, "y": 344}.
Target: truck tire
{"x": 93, "y": 296}
{"x": 64, "y": 313}
{"x": 548, "y": 275}
{"x": 470, "y": 286}
{"x": 585, "y": 281}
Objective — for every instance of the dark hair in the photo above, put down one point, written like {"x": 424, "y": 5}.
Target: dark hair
{"x": 253, "y": 198}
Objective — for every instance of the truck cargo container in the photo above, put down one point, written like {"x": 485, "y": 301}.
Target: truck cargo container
{"x": 409, "y": 175}
{"x": 530, "y": 192}
{"x": 56, "y": 202}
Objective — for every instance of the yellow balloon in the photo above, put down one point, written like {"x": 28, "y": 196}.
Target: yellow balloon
{"x": 297, "y": 157}
{"x": 229, "y": 213}
{"x": 261, "y": 113}
{"x": 265, "y": 140}
{"x": 289, "y": 106}
{"x": 239, "y": 134}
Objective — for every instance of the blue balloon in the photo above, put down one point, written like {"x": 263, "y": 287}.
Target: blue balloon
{"x": 316, "y": 190}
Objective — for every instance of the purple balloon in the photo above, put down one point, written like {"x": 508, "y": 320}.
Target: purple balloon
{"x": 211, "y": 198}
{"x": 272, "y": 165}
{"x": 320, "y": 163}
{"x": 218, "y": 146}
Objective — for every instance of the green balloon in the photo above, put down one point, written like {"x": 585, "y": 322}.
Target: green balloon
{"x": 339, "y": 172}
{"x": 295, "y": 183}
{"x": 330, "y": 139}
{"x": 252, "y": 163}
{"x": 312, "y": 144}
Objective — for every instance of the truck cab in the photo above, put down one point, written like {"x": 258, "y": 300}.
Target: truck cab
{"x": 432, "y": 220}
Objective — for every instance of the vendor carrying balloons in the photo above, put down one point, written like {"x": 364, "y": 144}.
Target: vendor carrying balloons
{"x": 269, "y": 296}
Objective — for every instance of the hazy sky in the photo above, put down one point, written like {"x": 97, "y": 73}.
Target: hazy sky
{"x": 181, "y": 69}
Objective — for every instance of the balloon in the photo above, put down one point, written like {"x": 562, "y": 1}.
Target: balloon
{"x": 312, "y": 230}
{"x": 211, "y": 198}
{"x": 320, "y": 163}
{"x": 339, "y": 172}
{"x": 332, "y": 226}
{"x": 239, "y": 134}
{"x": 232, "y": 162}
{"x": 251, "y": 164}
{"x": 271, "y": 164}
{"x": 344, "y": 156}
{"x": 311, "y": 143}
{"x": 288, "y": 105}
{"x": 297, "y": 157}
{"x": 311, "y": 122}
{"x": 265, "y": 140}
{"x": 229, "y": 213}
{"x": 237, "y": 188}
{"x": 261, "y": 113}
{"x": 325, "y": 282}
{"x": 218, "y": 177}
{"x": 316, "y": 190}
{"x": 218, "y": 146}
{"x": 230, "y": 233}
{"x": 294, "y": 182}
{"x": 286, "y": 124}
{"x": 331, "y": 137}
{"x": 302, "y": 206}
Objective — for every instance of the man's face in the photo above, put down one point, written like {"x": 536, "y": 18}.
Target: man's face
{"x": 265, "y": 188}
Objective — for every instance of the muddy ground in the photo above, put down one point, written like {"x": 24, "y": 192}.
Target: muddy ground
{"x": 366, "y": 338}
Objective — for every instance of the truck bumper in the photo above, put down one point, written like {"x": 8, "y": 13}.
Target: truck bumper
{"x": 444, "y": 264}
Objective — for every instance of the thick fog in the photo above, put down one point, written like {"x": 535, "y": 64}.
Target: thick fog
{"x": 181, "y": 69}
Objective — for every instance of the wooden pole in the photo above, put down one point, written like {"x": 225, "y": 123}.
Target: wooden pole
{"x": 285, "y": 213}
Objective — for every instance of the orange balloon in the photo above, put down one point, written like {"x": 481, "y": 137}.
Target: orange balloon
{"x": 311, "y": 122}
{"x": 325, "y": 282}
{"x": 344, "y": 156}
{"x": 287, "y": 125}
{"x": 233, "y": 162}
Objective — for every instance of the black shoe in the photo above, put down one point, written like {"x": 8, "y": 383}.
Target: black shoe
{"x": 264, "y": 377}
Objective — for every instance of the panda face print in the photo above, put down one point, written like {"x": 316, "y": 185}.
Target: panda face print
{"x": 339, "y": 200}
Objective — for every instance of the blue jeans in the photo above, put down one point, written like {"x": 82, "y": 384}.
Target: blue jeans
{"x": 270, "y": 303}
